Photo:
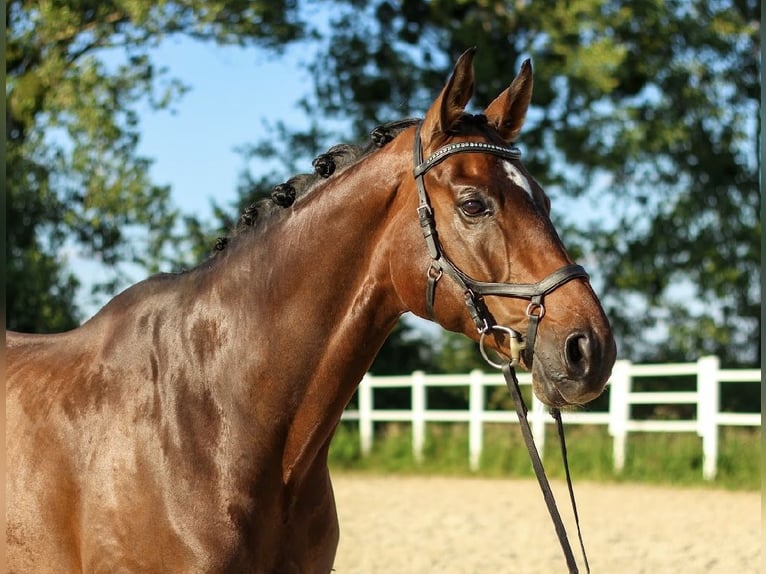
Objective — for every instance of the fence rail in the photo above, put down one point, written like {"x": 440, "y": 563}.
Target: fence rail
{"x": 622, "y": 396}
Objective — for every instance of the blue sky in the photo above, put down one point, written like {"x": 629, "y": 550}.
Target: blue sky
{"x": 232, "y": 90}
{"x": 193, "y": 146}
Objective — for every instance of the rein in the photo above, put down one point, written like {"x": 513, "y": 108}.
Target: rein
{"x": 473, "y": 291}
{"x": 537, "y": 464}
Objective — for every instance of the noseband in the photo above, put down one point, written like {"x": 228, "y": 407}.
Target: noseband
{"x": 473, "y": 290}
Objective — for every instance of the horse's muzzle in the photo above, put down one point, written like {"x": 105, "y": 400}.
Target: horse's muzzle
{"x": 575, "y": 370}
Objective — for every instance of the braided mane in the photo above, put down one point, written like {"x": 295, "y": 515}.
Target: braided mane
{"x": 331, "y": 162}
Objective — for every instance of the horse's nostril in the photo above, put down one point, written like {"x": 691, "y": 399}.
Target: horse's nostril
{"x": 578, "y": 352}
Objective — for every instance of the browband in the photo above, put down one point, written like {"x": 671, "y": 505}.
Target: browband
{"x": 439, "y": 155}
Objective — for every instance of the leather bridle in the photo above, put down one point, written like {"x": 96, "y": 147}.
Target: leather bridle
{"x": 473, "y": 290}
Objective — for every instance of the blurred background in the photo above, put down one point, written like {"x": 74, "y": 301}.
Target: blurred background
{"x": 138, "y": 130}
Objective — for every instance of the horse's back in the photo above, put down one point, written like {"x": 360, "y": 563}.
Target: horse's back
{"x": 40, "y": 487}
{"x": 16, "y": 343}
{"x": 34, "y": 361}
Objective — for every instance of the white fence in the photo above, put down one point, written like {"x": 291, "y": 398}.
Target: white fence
{"x": 706, "y": 397}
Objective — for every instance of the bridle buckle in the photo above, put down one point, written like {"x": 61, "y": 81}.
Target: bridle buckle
{"x": 534, "y": 306}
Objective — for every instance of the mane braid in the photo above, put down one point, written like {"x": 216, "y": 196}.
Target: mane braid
{"x": 325, "y": 165}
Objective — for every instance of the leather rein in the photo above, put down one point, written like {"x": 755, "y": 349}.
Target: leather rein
{"x": 473, "y": 292}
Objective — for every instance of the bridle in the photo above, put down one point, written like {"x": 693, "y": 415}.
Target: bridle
{"x": 473, "y": 290}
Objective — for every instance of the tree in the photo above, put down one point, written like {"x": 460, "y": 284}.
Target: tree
{"x": 643, "y": 125}
{"x": 644, "y": 121}
{"x": 75, "y": 72}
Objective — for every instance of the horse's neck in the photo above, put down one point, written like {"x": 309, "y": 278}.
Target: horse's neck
{"x": 319, "y": 273}
{"x": 308, "y": 305}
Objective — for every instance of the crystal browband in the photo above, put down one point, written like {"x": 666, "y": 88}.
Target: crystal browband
{"x": 511, "y": 152}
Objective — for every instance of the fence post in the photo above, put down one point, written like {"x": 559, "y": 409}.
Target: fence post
{"x": 708, "y": 403}
{"x": 539, "y": 414}
{"x": 365, "y": 414}
{"x": 619, "y": 411}
{"x": 475, "y": 421}
{"x": 418, "y": 415}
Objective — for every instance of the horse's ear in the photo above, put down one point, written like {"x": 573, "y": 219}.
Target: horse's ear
{"x": 508, "y": 111}
{"x": 450, "y": 104}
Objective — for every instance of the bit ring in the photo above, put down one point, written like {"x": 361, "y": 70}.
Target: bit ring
{"x": 517, "y": 344}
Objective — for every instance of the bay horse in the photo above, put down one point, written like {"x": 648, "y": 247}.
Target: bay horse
{"x": 185, "y": 427}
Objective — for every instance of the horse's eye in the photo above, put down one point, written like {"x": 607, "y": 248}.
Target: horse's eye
{"x": 473, "y": 207}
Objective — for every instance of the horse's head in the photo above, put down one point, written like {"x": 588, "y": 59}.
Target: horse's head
{"x": 492, "y": 265}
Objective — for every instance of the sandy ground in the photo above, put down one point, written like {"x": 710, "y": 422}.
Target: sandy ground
{"x": 449, "y": 525}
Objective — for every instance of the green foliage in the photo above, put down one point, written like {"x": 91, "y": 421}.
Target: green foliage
{"x": 456, "y": 354}
{"x": 75, "y": 181}
{"x": 674, "y": 459}
{"x": 406, "y": 350}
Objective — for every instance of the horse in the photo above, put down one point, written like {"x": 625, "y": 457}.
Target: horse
{"x": 185, "y": 427}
